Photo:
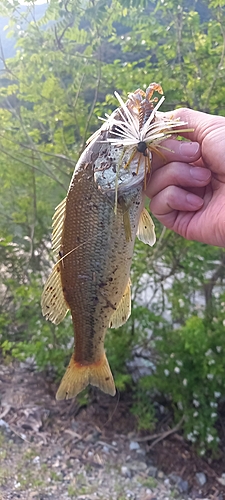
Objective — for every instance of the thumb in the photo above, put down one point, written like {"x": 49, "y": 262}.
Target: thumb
{"x": 209, "y": 132}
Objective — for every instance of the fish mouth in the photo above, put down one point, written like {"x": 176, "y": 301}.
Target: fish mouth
{"x": 134, "y": 182}
{"x": 122, "y": 183}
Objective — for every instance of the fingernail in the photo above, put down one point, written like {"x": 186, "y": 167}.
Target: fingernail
{"x": 200, "y": 174}
{"x": 190, "y": 149}
{"x": 194, "y": 201}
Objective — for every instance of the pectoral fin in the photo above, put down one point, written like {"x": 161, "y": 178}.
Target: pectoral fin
{"x": 54, "y": 306}
{"x": 146, "y": 229}
{"x": 123, "y": 311}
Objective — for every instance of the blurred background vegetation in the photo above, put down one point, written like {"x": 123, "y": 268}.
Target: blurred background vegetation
{"x": 60, "y": 64}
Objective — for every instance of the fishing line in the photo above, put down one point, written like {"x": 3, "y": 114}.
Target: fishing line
{"x": 73, "y": 250}
{"x": 117, "y": 178}
{"x": 115, "y": 409}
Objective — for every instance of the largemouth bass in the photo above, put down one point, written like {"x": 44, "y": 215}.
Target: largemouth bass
{"x": 94, "y": 230}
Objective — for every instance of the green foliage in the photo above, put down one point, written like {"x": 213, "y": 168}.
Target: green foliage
{"x": 26, "y": 336}
{"x": 66, "y": 68}
{"x": 143, "y": 409}
{"x": 190, "y": 372}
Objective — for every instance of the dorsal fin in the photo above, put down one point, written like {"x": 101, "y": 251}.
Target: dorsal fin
{"x": 122, "y": 313}
{"x": 146, "y": 229}
{"x": 57, "y": 226}
{"x": 54, "y": 306}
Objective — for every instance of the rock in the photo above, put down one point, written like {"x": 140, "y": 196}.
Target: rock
{"x": 201, "y": 478}
{"x": 221, "y": 479}
{"x": 185, "y": 486}
{"x": 141, "y": 452}
{"x": 90, "y": 438}
{"x": 134, "y": 445}
{"x": 105, "y": 449}
{"x": 167, "y": 482}
{"x": 160, "y": 474}
{"x": 96, "y": 435}
{"x": 29, "y": 362}
{"x": 181, "y": 485}
{"x": 174, "y": 478}
{"x": 4, "y": 424}
{"x": 130, "y": 495}
{"x": 138, "y": 466}
{"x": 125, "y": 471}
{"x": 152, "y": 471}
{"x": 56, "y": 463}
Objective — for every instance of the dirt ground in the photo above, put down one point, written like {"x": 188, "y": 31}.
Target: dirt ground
{"x": 60, "y": 450}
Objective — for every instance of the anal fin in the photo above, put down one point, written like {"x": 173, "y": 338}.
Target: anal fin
{"x": 78, "y": 376}
{"x": 123, "y": 311}
{"x": 146, "y": 229}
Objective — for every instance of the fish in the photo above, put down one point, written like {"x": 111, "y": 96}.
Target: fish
{"x": 94, "y": 230}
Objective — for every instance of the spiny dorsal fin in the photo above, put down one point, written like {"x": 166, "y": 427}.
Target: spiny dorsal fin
{"x": 146, "y": 229}
{"x": 122, "y": 313}
{"x": 54, "y": 306}
{"x": 57, "y": 226}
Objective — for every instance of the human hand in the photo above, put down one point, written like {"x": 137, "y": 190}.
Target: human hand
{"x": 187, "y": 190}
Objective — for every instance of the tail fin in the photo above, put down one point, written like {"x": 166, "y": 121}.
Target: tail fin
{"x": 78, "y": 376}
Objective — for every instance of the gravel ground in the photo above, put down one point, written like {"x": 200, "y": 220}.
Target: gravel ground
{"x": 92, "y": 470}
{"x": 59, "y": 451}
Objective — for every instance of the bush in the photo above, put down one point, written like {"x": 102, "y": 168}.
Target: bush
{"x": 190, "y": 373}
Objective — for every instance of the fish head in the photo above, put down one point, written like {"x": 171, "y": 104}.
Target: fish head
{"x": 129, "y": 137}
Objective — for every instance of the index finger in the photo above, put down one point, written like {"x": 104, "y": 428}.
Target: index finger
{"x": 200, "y": 122}
{"x": 209, "y": 131}
{"x": 172, "y": 150}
